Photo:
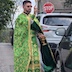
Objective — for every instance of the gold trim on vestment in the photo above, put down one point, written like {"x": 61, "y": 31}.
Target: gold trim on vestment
{"x": 29, "y": 44}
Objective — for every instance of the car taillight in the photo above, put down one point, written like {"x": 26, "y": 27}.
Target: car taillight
{"x": 46, "y": 30}
{"x": 43, "y": 27}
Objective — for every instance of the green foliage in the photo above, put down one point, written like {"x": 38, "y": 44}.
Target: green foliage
{"x": 5, "y": 35}
{"x": 68, "y": 3}
{"x": 6, "y": 9}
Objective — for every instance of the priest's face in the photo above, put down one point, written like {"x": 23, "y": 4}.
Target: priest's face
{"x": 27, "y": 7}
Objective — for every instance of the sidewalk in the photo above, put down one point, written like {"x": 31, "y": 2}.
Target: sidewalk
{"x": 6, "y": 57}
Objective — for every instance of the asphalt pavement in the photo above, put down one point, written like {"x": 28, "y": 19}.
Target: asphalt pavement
{"x": 6, "y": 58}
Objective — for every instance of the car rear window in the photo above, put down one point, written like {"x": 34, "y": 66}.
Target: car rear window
{"x": 57, "y": 21}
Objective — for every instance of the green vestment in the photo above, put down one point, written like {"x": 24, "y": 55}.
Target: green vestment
{"x": 47, "y": 56}
{"x": 26, "y": 54}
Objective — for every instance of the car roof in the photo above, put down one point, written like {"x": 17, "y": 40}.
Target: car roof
{"x": 55, "y": 14}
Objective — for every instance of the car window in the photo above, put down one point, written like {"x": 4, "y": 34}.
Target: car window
{"x": 71, "y": 37}
{"x": 68, "y": 32}
{"x": 38, "y": 17}
{"x": 57, "y": 21}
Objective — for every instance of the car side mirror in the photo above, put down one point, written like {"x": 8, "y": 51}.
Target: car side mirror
{"x": 60, "y": 31}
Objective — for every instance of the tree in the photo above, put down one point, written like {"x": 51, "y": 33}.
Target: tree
{"x": 67, "y": 3}
{"x": 6, "y": 9}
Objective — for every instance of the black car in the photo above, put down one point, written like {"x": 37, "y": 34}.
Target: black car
{"x": 65, "y": 47}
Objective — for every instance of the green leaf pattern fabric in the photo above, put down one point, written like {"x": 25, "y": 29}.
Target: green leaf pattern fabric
{"x": 26, "y": 54}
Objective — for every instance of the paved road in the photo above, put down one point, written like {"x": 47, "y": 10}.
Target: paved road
{"x": 7, "y": 60}
{"x": 6, "y": 57}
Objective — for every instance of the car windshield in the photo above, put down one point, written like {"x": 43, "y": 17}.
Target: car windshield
{"x": 57, "y": 21}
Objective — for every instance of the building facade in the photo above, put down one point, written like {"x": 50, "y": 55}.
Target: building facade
{"x": 59, "y": 5}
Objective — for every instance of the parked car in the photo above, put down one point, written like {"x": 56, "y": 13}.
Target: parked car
{"x": 65, "y": 48}
{"x": 50, "y": 22}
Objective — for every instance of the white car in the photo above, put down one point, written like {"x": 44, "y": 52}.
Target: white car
{"x": 51, "y": 22}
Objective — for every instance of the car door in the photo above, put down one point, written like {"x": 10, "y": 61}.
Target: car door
{"x": 66, "y": 49}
